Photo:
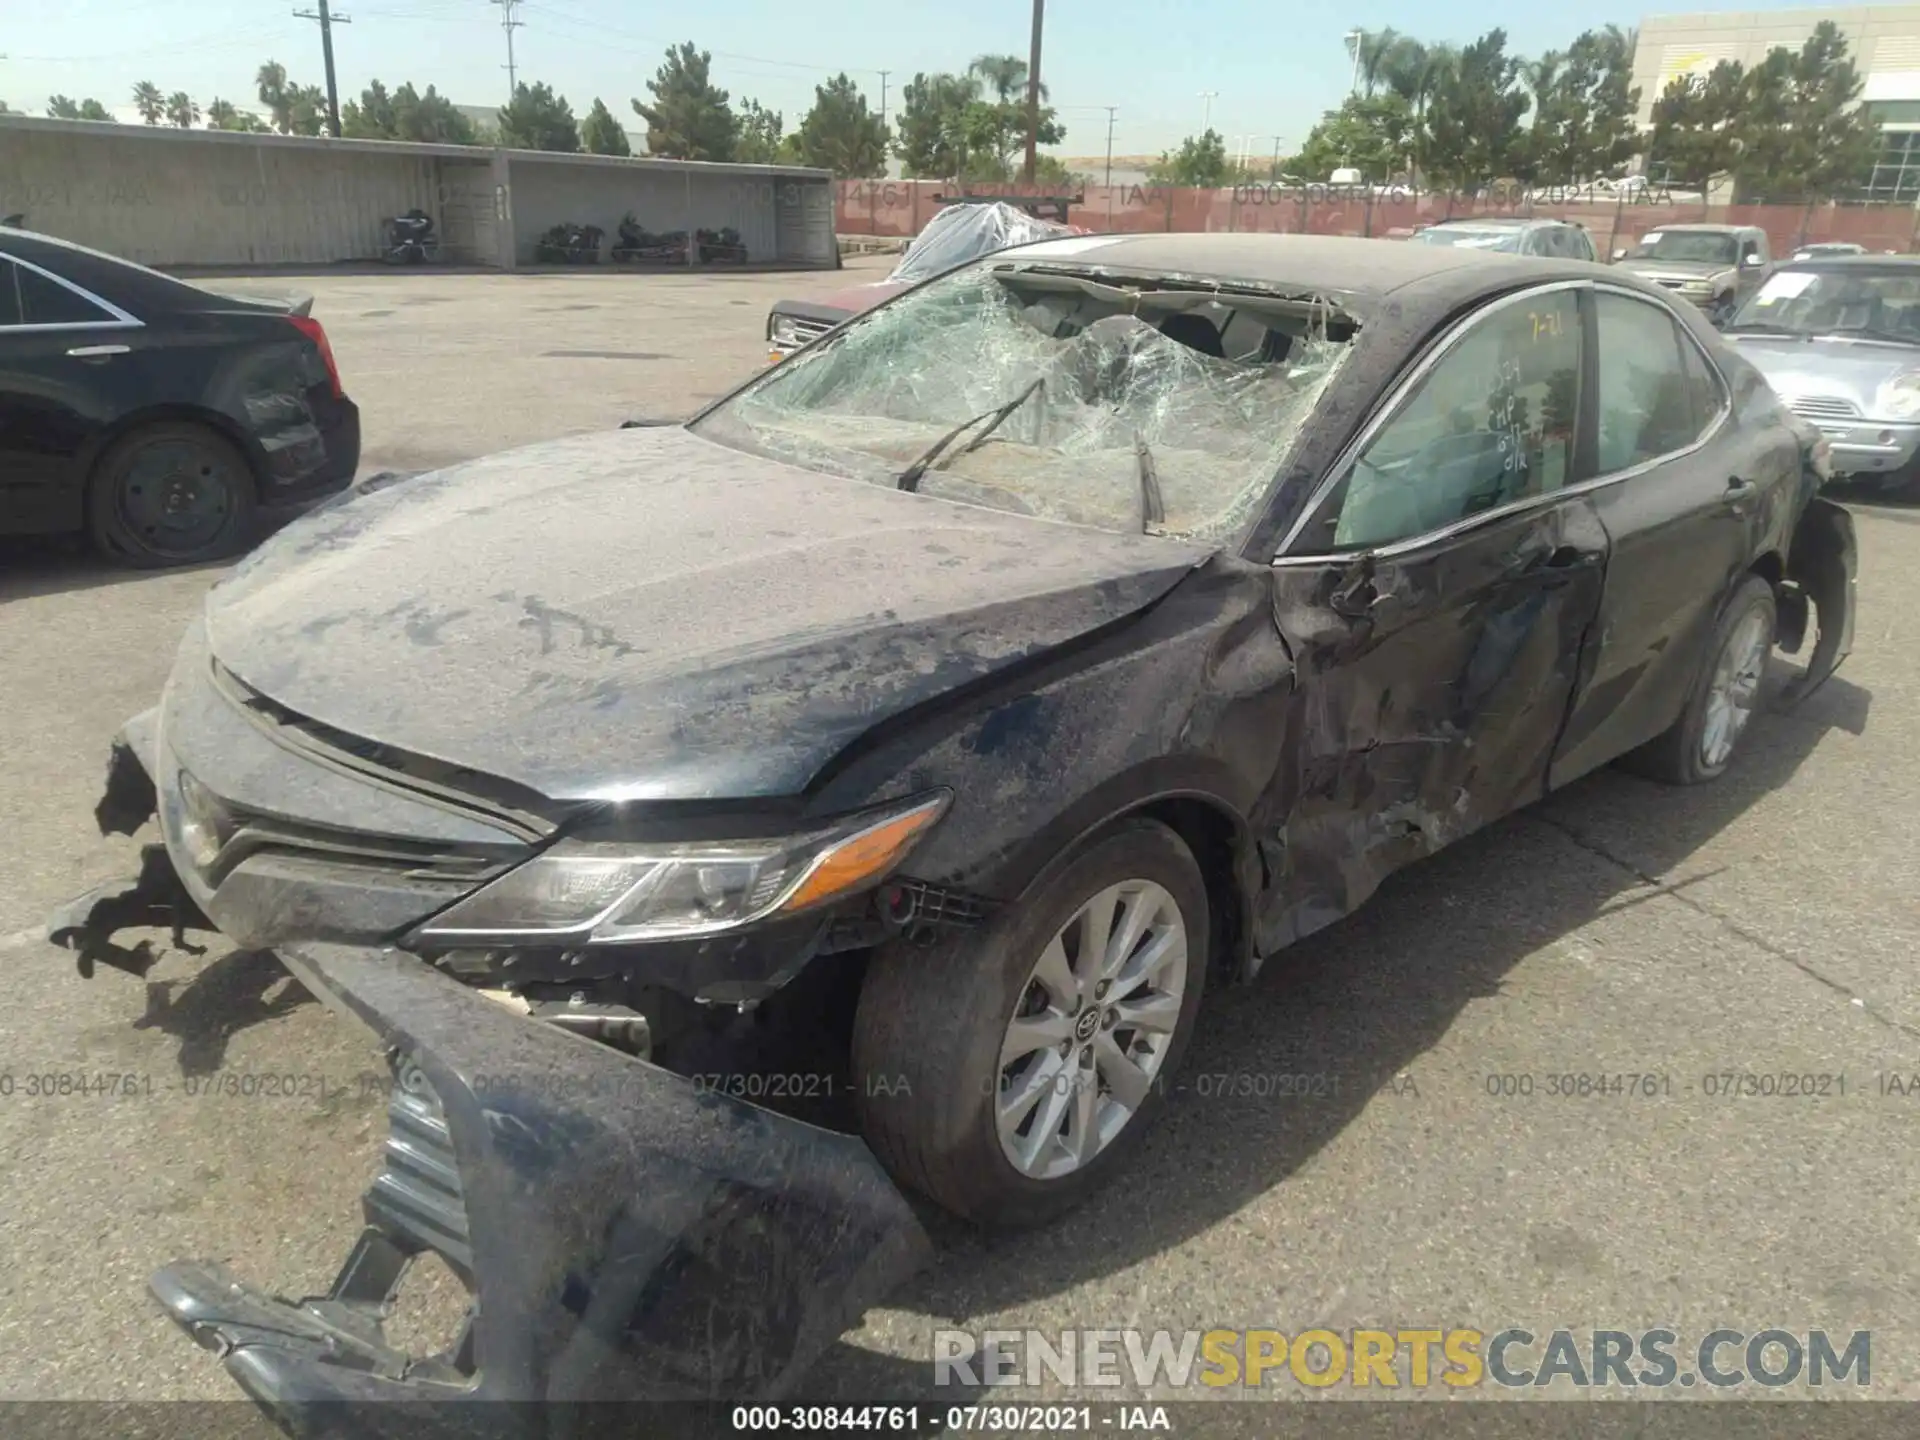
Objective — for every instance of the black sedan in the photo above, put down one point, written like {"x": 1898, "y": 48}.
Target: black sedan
{"x": 960, "y": 701}
{"x": 157, "y": 416}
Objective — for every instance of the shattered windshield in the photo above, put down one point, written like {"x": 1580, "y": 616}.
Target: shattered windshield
{"x": 1880, "y": 304}
{"x": 961, "y": 233}
{"x": 1058, "y": 394}
{"x": 1505, "y": 240}
{"x": 1688, "y": 247}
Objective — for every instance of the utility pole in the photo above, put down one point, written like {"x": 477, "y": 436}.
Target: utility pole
{"x": 1206, "y": 121}
{"x": 883, "y": 98}
{"x": 1274, "y": 173}
{"x": 1033, "y": 92}
{"x": 1112, "y": 110}
{"x": 1355, "y": 39}
{"x": 509, "y": 24}
{"x": 327, "y": 22}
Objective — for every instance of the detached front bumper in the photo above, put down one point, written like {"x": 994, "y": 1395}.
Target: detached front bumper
{"x": 625, "y": 1237}
{"x": 628, "y": 1238}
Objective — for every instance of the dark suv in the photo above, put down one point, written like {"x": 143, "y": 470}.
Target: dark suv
{"x": 1560, "y": 239}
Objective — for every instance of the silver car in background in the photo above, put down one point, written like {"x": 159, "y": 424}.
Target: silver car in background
{"x": 1839, "y": 340}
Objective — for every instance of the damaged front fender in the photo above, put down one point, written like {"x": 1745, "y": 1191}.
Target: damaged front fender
{"x": 627, "y": 1236}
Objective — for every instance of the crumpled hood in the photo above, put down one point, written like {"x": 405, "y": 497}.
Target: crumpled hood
{"x": 649, "y": 615}
{"x": 1854, "y": 370}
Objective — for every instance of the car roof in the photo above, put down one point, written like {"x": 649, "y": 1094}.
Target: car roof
{"x": 1361, "y": 272}
{"x": 1856, "y": 262}
{"x": 131, "y": 286}
{"x": 1705, "y": 228}
{"x": 1503, "y": 222}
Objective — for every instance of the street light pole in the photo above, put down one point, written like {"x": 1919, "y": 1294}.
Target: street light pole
{"x": 1355, "y": 38}
{"x": 1206, "y": 121}
{"x": 1033, "y": 92}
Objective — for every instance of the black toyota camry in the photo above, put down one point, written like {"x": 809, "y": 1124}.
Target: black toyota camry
{"x": 155, "y": 415}
{"x": 1006, "y": 674}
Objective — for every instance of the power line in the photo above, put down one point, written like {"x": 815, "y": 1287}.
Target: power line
{"x": 509, "y": 24}
{"x": 327, "y": 22}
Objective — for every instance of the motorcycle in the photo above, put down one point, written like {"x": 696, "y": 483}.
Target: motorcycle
{"x": 410, "y": 239}
{"x": 569, "y": 245}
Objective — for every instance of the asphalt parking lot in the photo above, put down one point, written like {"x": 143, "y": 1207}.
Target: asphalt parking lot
{"x": 1765, "y": 926}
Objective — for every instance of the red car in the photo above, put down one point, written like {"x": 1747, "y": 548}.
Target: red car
{"x": 954, "y": 236}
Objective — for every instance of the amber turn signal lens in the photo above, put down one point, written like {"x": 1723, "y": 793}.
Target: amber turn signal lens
{"x": 865, "y": 857}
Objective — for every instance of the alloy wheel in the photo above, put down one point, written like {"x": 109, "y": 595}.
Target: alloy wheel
{"x": 1734, "y": 689}
{"x": 1093, "y": 1027}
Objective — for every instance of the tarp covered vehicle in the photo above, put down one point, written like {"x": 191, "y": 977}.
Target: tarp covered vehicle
{"x": 956, "y": 235}
{"x": 970, "y": 693}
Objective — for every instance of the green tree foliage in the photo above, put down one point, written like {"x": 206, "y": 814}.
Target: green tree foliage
{"x": 1583, "y": 110}
{"x": 1801, "y": 137}
{"x": 405, "y": 114}
{"x": 840, "y": 133}
{"x": 1696, "y": 126}
{"x": 690, "y": 118}
{"x": 225, "y": 115}
{"x": 1472, "y": 122}
{"x": 1372, "y": 134}
{"x": 293, "y": 109}
{"x": 64, "y": 107}
{"x": 148, "y": 100}
{"x": 183, "y": 110}
{"x": 601, "y": 134}
{"x": 1201, "y": 161}
{"x": 758, "y": 134}
{"x": 537, "y": 119}
{"x": 961, "y": 127}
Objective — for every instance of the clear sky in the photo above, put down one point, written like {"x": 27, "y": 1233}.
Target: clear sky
{"x": 1275, "y": 66}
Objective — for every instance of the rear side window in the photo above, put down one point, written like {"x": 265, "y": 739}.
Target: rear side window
{"x": 1646, "y": 396}
{"x": 47, "y": 302}
{"x": 9, "y": 295}
{"x": 1706, "y": 392}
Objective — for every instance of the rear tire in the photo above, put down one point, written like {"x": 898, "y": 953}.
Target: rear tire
{"x": 172, "y": 493}
{"x": 1006, "y": 1088}
{"x": 1702, "y": 743}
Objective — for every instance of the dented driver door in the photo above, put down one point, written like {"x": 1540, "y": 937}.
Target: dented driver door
{"x": 1436, "y": 598}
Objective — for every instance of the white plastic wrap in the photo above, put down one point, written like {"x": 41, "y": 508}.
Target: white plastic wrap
{"x": 1215, "y": 429}
{"x": 960, "y": 233}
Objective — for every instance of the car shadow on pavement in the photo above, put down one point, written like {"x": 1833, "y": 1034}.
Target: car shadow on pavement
{"x": 238, "y": 990}
{"x": 1359, "y": 1003}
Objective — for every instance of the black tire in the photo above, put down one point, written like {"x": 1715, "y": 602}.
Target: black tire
{"x": 1677, "y": 756}
{"x": 931, "y": 1023}
{"x": 133, "y": 525}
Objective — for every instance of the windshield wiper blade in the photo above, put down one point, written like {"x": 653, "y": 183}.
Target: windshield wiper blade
{"x": 1153, "y": 504}
{"x": 909, "y": 478}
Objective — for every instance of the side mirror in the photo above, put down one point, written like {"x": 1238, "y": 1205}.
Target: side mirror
{"x": 1753, "y": 262}
{"x": 1619, "y": 255}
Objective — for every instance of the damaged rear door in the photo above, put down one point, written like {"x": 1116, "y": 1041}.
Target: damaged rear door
{"x": 1437, "y": 597}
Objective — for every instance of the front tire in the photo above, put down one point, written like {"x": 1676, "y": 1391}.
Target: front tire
{"x": 174, "y": 493}
{"x": 1701, "y": 744}
{"x": 1009, "y": 1072}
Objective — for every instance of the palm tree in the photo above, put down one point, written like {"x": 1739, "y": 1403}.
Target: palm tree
{"x": 149, "y": 102}
{"x": 1005, "y": 75}
{"x": 221, "y": 114}
{"x": 1377, "y": 51}
{"x": 271, "y": 81}
{"x": 182, "y": 109}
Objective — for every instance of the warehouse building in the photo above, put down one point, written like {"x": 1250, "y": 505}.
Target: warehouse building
{"x": 1883, "y": 40}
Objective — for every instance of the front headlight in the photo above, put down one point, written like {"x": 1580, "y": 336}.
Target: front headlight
{"x": 587, "y": 893}
{"x": 1899, "y": 398}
